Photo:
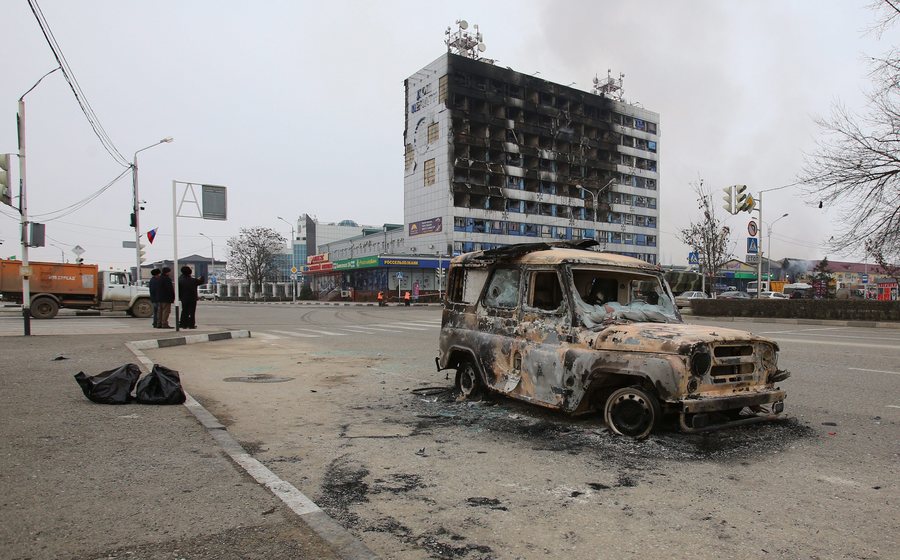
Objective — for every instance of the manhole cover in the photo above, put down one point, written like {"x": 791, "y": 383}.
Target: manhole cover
{"x": 259, "y": 378}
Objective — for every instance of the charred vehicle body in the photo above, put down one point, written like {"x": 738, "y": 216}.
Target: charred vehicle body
{"x": 581, "y": 331}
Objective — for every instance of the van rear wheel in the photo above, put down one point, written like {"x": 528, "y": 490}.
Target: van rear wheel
{"x": 468, "y": 380}
{"x": 632, "y": 412}
{"x": 44, "y": 308}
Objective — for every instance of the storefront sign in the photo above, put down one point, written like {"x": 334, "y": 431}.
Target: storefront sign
{"x": 312, "y": 259}
{"x": 425, "y": 226}
{"x": 320, "y": 267}
{"x": 351, "y": 264}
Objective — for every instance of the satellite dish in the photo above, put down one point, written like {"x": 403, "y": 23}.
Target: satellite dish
{"x": 463, "y": 24}
{"x": 481, "y": 47}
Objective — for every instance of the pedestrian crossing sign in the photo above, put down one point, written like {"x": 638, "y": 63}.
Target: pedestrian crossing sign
{"x": 752, "y": 245}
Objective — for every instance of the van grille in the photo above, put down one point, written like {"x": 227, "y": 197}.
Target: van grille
{"x": 732, "y": 364}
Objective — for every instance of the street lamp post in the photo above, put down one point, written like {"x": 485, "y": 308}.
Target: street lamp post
{"x": 137, "y": 207}
{"x": 595, "y": 196}
{"x": 62, "y": 253}
{"x": 293, "y": 264}
{"x": 769, "y": 260}
{"x": 212, "y": 256}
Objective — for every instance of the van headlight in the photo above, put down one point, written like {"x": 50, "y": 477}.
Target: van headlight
{"x": 700, "y": 361}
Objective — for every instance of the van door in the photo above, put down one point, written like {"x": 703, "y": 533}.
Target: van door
{"x": 545, "y": 329}
{"x": 498, "y": 339}
{"x": 116, "y": 287}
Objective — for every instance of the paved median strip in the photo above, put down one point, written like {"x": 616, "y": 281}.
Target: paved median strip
{"x": 341, "y": 541}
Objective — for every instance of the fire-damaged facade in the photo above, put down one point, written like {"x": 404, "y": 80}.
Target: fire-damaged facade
{"x": 581, "y": 331}
{"x": 494, "y": 157}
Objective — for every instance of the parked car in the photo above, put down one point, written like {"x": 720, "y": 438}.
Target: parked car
{"x": 723, "y": 288}
{"x": 684, "y": 300}
{"x": 207, "y": 293}
{"x": 773, "y": 295}
{"x": 735, "y": 294}
{"x": 587, "y": 332}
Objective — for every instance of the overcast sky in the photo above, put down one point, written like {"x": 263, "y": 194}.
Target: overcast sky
{"x": 297, "y": 107}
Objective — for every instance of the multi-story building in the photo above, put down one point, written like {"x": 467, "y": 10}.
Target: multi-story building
{"x": 495, "y": 157}
{"x": 309, "y": 235}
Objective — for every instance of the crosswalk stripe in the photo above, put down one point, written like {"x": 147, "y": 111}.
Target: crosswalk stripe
{"x": 329, "y": 333}
{"x": 370, "y": 328}
{"x": 265, "y": 336}
{"x": 408, "y": 328}
{"x": 298, "y": 335}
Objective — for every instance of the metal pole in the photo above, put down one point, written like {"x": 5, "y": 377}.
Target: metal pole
{"x": 137, "y": 221}
{"x": 23, "y": 210}
{"x": 293, "y": 264}
{"x": 175, "y": 252}
{"x": 759, "y": 261}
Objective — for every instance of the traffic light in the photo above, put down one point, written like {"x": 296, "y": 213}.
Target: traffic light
{"x": 79, "y": 260}
{"x": 141, "y": 252}
{"x": 748, "y": 204}
{"x": 740, "y": 198}
{"x": 729, "y": 199}
{"x": 5, "y": 191}
{"x": 133, "y": 220}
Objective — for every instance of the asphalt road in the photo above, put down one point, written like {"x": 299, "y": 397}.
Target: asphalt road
{"x": 328, "y": 398}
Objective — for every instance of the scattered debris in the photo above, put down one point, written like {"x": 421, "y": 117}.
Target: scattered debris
{"x": 269, "y": 511}
{"x": 829, "y": 423}
{"x": 491, "y": 503}
{"x": 58, "y": 358}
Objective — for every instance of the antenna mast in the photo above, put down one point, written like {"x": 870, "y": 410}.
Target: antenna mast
{"x": 463, "y": 43}
{"x": 610, "y": 87}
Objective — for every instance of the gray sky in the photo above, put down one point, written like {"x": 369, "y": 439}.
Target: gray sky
{"x": 298, "y": 106}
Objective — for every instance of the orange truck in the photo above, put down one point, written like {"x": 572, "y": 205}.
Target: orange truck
{"x": 74, "y": 286}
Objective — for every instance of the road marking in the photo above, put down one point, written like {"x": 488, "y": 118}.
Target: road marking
{"x": 893, "y": 406}
{"x": 298, "y": 335}
{"x": 329, "y": 333}
{"x": 802, "y": 330}
{"x": 874, "y": 370}
{"x": 366, "y": 327}
{"x": 407, "y": 328}
{"x": 833, "y": 343}
{"x": 888, "y": 339}
{"x": 266, "y": 336}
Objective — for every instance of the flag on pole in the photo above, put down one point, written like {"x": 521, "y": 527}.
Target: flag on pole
{"x": 151, "y": 235}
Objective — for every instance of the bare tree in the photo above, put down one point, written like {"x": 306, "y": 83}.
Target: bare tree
{"x": 856, "y": 164}
{"x": 251, "y": 254}
{"x": 708, "y": 237}
{"x": 888, "y": 263}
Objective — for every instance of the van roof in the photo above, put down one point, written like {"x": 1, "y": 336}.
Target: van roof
{"x": 553, "y": 253}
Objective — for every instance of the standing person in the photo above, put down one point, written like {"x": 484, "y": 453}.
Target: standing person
{"x": 166, "y": 298}
{"x": 406, "y": 298}
{"x": 187, "y": 293}
{"x": 380, "y": 299}
{"x": 154, "y": 295}
{"x": 416, "y": 292}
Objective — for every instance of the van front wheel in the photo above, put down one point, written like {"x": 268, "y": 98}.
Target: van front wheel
{"x": 142, "y": 309}
{"x": 468, "y": 380}
{"x": 632, "y": 412}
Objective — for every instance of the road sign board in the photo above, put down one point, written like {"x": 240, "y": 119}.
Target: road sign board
{"x": 752, "y": 229}
{"x": 752, "y": 259}
{"x": 129, "y": 244}
{"x": 78, "y": 250}
{"x": 864, "y": 278}
{"x": 693, "y": 258}
{"x": 752, "y": 245}
{"x": 293, "y": 270}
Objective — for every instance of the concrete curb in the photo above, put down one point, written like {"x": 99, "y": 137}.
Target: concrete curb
{"x": 341, "y": 541}
{"x": 827, "y": 322}
{"x": 335, "y": 303}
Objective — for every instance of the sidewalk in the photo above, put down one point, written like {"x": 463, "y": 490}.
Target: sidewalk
{"x": 826, "y": 322}
{"x": 85, "y": 481}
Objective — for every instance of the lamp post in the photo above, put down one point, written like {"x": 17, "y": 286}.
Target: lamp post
{"x": 137, "y": 207}
{"x": 595, "y": 196}
{"x": 769, "y": 260}
{"x": 62, "y": 253}
{"x": 293, "y": 265}
{"x": 212, "y": 256}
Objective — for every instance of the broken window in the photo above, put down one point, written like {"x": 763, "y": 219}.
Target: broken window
{"x": 410, "y": 156}
{"x": 442, "y": 89}
{"x": 429, "y": 172}
{"x": 503, "y": 290}
{"x": 546, "y": 231}
{"x": 464, "y": 285}
{"x": 433, "y": 129}
{"x": 546, "y": 292}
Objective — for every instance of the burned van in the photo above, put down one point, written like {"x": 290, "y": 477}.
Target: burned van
{"x": 582, "y": 332}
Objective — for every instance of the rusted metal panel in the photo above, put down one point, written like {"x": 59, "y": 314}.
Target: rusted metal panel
{"x": 552, "y": 353}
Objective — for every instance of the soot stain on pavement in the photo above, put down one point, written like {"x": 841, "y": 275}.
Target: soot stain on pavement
{"x": 434, "y": 542}
{"x": 541, "y": 430}
{"x": 342, "y": 487}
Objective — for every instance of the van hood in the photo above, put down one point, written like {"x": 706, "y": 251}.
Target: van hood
{"x": 668, "y": 338}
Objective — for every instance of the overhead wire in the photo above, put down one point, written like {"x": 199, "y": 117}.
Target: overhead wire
{"x": 80, "y": 96}
{"x": 74, "y": 207}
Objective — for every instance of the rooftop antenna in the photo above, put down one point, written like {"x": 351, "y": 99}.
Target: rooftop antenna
{"x": 464, "y": 43}
{"x": 609, "y": 87}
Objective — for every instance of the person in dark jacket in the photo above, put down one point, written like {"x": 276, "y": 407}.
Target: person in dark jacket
{"x": 187, "y": 294}
{"x": 154, "y": 294}
{"x": 166, "y": 297}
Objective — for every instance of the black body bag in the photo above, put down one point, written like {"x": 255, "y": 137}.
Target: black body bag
{"x": 161, "y": 386}
{"x": 110, "y": 387}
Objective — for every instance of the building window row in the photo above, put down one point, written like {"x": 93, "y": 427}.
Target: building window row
{"x": 638, "y": 162}
{"x": 469, "y": 246}
{"x": 638, "y": 182}
{"x": 638, "y": 143}
{"x": 635, "y": 123}
{"x": 625, "y": 238}
{"x": 630, "y": 199}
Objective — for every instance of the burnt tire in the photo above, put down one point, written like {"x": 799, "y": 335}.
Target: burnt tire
{"x": 142, "y": 309}
{"x": 468, "y": 380}
{"x": 44, "y": 308}
{"x": 632, "y": 412}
